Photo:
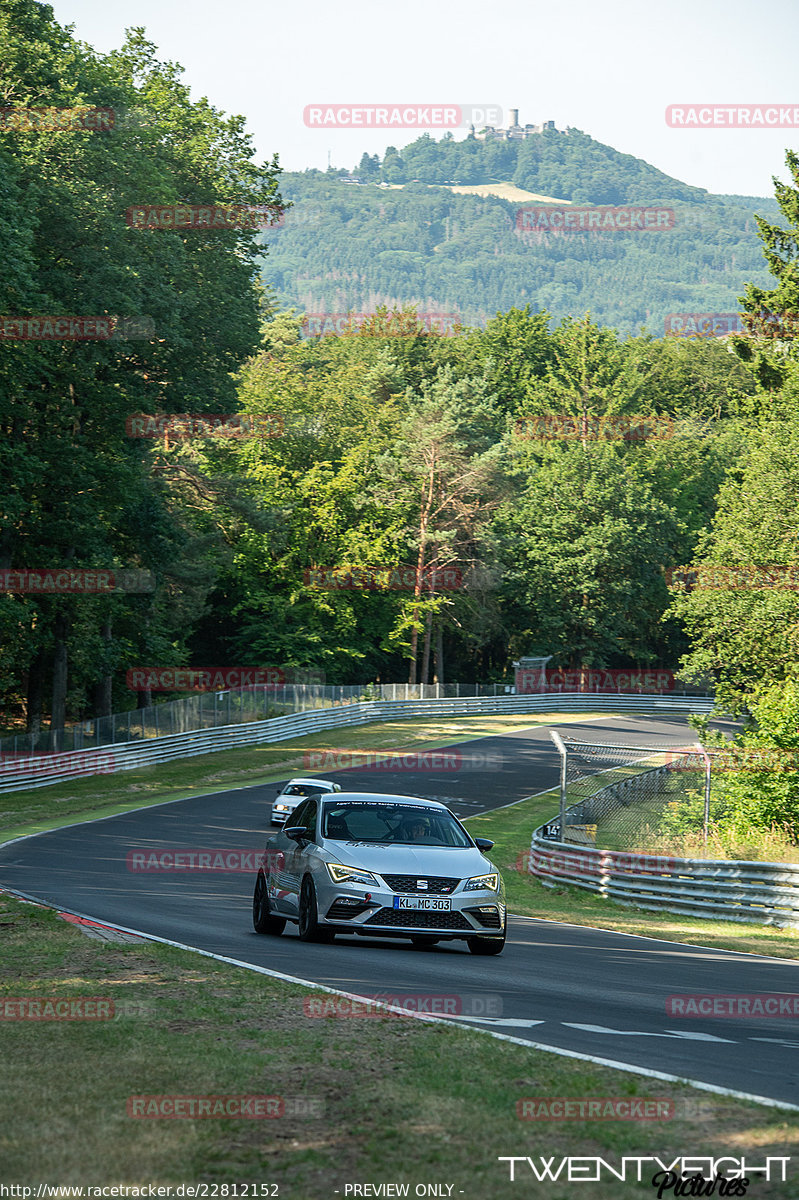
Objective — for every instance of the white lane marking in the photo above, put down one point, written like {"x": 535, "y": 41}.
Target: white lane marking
{"x": 696, "y": 1037}
{"x": 735, "y": 955}
{"x": 778, "y": 1041}
{"x": 510, "y": 1022}
{"x": 630, "y": 1068}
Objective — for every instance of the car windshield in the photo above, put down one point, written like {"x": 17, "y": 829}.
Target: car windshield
{"x": 394, "y": 824}
{"x": 300, "y": 789}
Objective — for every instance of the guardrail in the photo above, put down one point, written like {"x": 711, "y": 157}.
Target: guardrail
{"x": 39, "y": 771}
{"x": 250, "y": 703}
{"x": 762, "y": 893}
{"x": 756, "y": 892}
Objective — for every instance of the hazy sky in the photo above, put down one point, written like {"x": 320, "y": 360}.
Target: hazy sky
{"x": 608, "y": 67}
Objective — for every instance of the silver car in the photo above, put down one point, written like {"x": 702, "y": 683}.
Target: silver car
{"x": 380, "y": 866}
{"x": 295, "y": 792}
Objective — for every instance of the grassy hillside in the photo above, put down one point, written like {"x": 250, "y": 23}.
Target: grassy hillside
{"x": 381, "y": 237}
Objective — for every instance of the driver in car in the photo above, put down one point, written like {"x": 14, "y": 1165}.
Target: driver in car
{"x": 416, "y": 828}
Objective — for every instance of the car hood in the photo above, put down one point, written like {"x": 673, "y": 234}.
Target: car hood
{"x": 409, "y": 860}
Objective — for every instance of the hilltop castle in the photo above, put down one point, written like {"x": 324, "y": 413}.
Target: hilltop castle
{"x": 514, "y": 133}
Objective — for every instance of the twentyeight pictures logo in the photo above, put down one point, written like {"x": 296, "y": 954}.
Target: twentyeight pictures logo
{"x": 400, "y": 116}
{"x": 646, "y": 1168}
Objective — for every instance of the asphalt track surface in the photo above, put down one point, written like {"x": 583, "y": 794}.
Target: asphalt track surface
{"x": 579, "y": 989}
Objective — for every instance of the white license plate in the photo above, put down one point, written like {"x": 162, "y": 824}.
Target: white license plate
{"x": 425, "y": 902}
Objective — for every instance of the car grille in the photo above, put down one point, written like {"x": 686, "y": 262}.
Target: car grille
{"x": 437, "y": 885}
{"x": 489, "y": 920}
{"x": 418, "y": 919}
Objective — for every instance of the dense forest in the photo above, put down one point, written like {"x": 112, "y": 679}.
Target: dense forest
{"x": 393, "y": 232}
{"x": 384, "y": 512}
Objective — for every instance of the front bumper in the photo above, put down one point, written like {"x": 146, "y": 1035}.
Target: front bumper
{"x": 279, "y": 818}
{"x": 472, "y": 914}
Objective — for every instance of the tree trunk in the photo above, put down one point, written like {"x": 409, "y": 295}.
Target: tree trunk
{"x": 417, "y": 591}
{"x": 428, "y": 629}
{"x": 424, "y": 517}
{"x": 59, "y": 709}
{"x": 103, "y": 688}
{"x": 35, "y": 697}
{"x": 438, "y": 669}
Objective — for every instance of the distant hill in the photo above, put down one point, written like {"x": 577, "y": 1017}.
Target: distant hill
{"x": 397, "y": 232}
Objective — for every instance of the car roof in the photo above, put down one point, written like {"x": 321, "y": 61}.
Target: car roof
{"x": 317, "y": 783}
{"x": 386, "y": 797}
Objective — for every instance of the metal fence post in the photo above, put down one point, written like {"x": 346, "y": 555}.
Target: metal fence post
{"x": 706, "y": 821}
{"x": 563, "y": 752}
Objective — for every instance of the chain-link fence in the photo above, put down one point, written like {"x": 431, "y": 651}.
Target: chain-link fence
{"x": 617, "y": 797}
{"x": 209, "y": 710}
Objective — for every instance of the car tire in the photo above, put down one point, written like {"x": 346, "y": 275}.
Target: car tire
{"x": 424, "y": 943}
{"x": 308, "y": 917}
{"x": 484, "y": 945}
{"x": 263, "y": 920}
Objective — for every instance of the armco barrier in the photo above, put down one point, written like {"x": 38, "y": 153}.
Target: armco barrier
{"x": 22, "y": 774}
{"x": 757, "y": 892}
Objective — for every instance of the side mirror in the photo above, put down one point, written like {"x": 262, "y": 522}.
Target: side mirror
{"x": 297, "y": 833}
{"x": 483, "y": 843}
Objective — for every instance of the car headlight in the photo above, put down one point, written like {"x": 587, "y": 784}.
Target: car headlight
{"x": 281, "y": 808}
{"x": 341, "y": 874}
{"x": 479, "y": 883}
